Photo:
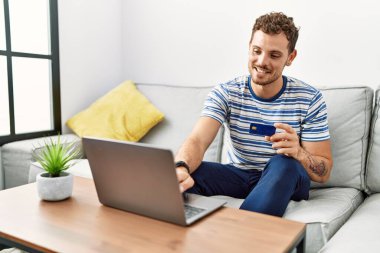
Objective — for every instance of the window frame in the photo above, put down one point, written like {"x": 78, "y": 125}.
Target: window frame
{"x": 55, "y": 76}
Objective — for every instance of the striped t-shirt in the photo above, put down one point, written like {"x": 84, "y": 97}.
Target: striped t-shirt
{"x": 235, "y": 104}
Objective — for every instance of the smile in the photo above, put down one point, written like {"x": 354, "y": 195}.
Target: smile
{"x": 261, "y": 70}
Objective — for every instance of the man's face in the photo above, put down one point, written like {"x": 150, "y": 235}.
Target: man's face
{"x": 268, "y": 55}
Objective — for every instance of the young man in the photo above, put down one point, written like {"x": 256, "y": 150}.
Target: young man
{"x": 267, "y": 171}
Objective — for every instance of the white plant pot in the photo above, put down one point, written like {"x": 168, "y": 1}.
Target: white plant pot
{"x": 54, "y": 188}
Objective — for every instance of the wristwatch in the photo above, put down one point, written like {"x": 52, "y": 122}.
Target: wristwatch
{"x": 182, "y": 164}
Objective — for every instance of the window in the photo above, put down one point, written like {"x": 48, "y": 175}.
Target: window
{"x": 29, "y": 69}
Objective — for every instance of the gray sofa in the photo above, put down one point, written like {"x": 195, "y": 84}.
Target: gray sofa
{"x": 339, "y": 210}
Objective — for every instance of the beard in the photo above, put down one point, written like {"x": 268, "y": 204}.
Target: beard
{"x": 267, "y": 78}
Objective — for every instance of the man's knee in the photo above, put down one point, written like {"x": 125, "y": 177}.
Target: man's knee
{"x": 282, "y": 159}
{"x": 284, "y": 165}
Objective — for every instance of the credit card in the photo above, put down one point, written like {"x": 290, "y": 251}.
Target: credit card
{"x": 260, "y": 129}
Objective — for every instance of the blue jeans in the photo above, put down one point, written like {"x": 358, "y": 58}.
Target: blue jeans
{"x": 268, "y": 191}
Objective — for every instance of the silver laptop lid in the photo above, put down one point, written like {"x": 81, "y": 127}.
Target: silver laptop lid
{"x": 135, "y": 177}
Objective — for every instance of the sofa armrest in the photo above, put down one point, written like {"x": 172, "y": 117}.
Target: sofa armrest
{"x": 17, "y": 156}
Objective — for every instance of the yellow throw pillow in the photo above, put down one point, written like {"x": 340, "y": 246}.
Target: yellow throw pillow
{"x": 123, "y": 114}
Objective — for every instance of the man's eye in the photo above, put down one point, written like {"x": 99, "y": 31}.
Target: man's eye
{"x": 275, "y": 56}
{"x": 255, "y": 52}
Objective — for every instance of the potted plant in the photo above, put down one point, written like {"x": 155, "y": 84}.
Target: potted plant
{"x": 55, "y": 158}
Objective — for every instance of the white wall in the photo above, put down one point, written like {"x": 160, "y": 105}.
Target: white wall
{"x": 203, "y": 42}
{"x": 90, "y": 36}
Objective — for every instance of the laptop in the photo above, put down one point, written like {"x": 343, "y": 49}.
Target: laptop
{"x": 141, "y": 179}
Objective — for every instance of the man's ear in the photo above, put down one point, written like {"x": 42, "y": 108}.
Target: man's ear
{"x": 291, "y": 57}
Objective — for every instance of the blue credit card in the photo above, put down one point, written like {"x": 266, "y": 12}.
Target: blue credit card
{"x": 260, "y": 129}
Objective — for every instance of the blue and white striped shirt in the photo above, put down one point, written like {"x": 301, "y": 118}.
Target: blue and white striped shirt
{"x": 235, "y": 104}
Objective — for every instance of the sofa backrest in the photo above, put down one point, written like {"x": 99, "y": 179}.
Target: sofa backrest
{"x": 372, "y": 176}
{"x": 349, "y": 114}
{"x": 182, "y": 107}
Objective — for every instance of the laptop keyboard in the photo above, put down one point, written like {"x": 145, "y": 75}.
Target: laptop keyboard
{"x": 191, "y": 211}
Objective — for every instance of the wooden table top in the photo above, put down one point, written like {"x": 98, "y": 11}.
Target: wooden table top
{"x": 82, "y": 224}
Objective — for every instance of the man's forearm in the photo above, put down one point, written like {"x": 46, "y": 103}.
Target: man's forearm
{"x": 195, "y": 146}
{"x": 191, "y": 153}
{"x": 317, "y": 167}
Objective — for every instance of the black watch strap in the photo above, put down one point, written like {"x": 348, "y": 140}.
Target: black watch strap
{"x": 182, "y": 164}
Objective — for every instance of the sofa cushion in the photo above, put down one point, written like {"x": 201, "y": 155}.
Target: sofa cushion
{"x": 17, "y": 156}
{"x": 373, "y": 162}
{"x": 182, "y": 107}
{"x": 123, "y": 114}
{"x": 349, "y": 114}
{"x": 361, "y": 232}
{"x": 324, "y": 213}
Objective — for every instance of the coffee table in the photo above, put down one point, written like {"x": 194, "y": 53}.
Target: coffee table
{"x": 82, "y": 224}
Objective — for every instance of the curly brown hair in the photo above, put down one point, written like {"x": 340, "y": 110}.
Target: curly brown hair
{"x": 275, "y": 23}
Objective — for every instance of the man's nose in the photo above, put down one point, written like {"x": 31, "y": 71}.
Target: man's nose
{"x": 262, "y": 59}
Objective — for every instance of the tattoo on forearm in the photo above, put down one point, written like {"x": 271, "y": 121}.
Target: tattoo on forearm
{"x": 317, "y": 168}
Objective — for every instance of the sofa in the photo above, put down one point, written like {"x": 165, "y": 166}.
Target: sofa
{"x": 341, "y": 214}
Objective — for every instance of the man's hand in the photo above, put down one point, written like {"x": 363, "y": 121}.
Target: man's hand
{"x": 315, "y": 157}
{"x": 184, "y": 179}
{"x": 286, "y": 142}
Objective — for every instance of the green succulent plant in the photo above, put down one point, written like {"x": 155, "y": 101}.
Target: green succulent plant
{"x": 55, "y": 156}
